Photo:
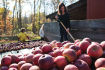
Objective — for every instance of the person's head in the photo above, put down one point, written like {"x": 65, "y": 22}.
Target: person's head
{"x": 22, "y": 29}
{"x": 61, "y": 8}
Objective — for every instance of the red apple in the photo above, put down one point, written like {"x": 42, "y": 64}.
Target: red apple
{"x": 70, "y": 54}
{"x": 34, "y": 68}
{"x": 37, "y": 51}
{"x": 53, "y": 43}
{"x": 70, "y": 67}
{"x": 64, "y": 42}
{"x": 12, "y": 69}
{"x": 6, "y": 61}
{"x": 76, "y": 41}
{"x": 29, "y": 58}
{"x": 20, "y": 64}
{"x": 4, "y": 68}
{"x": 36, "y": 58}
{"x": 100, "y": 62}
{"x": 21, "y": 58}
{"x": 77, "y": 49}
{"x": 15, "y": 59}
{"x": 58, "y": 44}
{"x": 46, "y": 62}
{"x": 60, "y": 61}
{"x": 96, "y": 43}
{"x": 87, "y": 39}
{"x": 55, "y": 48}
{"x": 46, "y": 48}
{"x": 14, "y": 65}
{"x": 84, "y": 45}
{"x": 82, "y": 65}
{"x": 95, "y": 50}
{"x": 101, "y": 68}
{"x": 103, "y": 44}
{"x": 67, "y": 45}
{"x": 51, "y": 53}
{"x": 77, "y": 44}
{"x": 26, "y": 66}
{"x": 86, "y": 58}
{"x": 57, "y": 52}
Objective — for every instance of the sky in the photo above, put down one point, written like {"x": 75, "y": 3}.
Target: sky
{"x": 27, "y": 8}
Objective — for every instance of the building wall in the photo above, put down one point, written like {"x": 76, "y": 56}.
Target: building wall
{"x": 95, "y": 9}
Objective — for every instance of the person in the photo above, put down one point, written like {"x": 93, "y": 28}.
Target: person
{"x": 22, "y": 36}
{"x": 63, "y": 16}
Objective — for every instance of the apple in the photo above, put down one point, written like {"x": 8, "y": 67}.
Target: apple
{"x": 55, "y": 48}
{"x": 58, "y": 44}
{"x": 4, "y": 68}
{"x": 64, "y": 42}
{"x": 71, "y": 67}
{"x": 52, "y": 43}
{"x": 37, "y": 51}
{"x": 46, "y": 48}
{"x": 21, "y": 58}
{"x": 29, "y": 58}
{"x": 35, "y": 67}
{"x": 36, "y": 58}
{"x": 51, "y": 53}
{"x": 101, "y": 68}
{"x": 57, "y": 52}
{"x": 87, "y": 39}
{"x": 103, "y": 44}
{"x": 20, "y": 64}
{"x": 46, "y": 62}
{"x": 100, "y": 62}
{"x": 15, "y": 59}
{"x": 86, "y": 58}
{"x": 12, "y": 69}
{"x": 84, "y": 45}
{"x": 70, "y": 54}
{"x": 67, "y": 45}
{"x": 26, "y": 66}
{"x": 82, "y": 65}
{"x": 96, "y": 43}
{"x": 6, "y": 61}
{"x": 14, "y": 65}
{"x": 95, "y": 51}
{"x": 77, "y": 49}
{"x": 60, "y": 61}
{"x": 76, "y": 41}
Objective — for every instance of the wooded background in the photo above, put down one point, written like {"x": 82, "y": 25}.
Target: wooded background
{"x": 11, "y": 21}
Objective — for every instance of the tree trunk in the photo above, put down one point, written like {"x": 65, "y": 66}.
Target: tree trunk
{"x": 13, "y": 17}
{"x": 19, "y": 21}
{"x": 33, "y": 25}
{"x": 5, "y": 15}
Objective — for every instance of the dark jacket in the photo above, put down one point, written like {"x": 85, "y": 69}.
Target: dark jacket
{"x": 65, "y": 19}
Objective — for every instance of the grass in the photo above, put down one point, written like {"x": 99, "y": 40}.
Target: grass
{"x": 4, "y": 41}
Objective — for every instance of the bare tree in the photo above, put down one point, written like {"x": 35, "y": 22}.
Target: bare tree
{"x": 55, "y": 4}
{"x": 5, "y": 15}
{"x": 33, "y": 25}
{"x": 19, "y": 19}
{"x": 13, "y": 16}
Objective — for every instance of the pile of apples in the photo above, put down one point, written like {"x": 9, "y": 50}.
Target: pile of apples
{"x": 55, "y": 55}
{"x": 19, "y": 45}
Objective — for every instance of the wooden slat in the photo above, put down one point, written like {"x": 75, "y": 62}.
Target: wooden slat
{"x": 84, "y": 24}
